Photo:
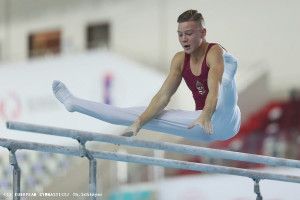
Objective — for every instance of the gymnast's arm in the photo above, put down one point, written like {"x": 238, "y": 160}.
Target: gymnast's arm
{"x": 163, "y": 96}
{"x": 215, "y": 62}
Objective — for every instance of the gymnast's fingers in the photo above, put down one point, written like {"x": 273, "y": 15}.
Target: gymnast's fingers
{"x": 192, "y": 125}
{"x": 210, "y": 128}
{"x": 207, "y": 128}
{"x": 128, "y": 132}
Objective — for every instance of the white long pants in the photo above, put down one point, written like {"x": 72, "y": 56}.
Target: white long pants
{"x": 225, "y": 120}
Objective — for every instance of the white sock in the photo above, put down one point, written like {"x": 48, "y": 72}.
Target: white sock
{"x": 63, "y": 95}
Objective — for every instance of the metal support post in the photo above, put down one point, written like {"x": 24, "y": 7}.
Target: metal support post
{"x": 92, "y": 170}
{"x": 257, "y": 189}
{"x": 16, "y": 174}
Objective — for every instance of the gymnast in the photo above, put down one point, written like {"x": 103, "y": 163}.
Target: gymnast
{"x": 209, "y": 72}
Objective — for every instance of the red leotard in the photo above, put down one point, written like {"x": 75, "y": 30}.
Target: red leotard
{"x": 197, "y": 84}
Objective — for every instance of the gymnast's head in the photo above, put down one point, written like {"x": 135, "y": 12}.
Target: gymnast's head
{"x": 191, "y": 30}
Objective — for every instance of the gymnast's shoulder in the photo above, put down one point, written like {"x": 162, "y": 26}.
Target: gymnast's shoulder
{"x": 178, "y": 60}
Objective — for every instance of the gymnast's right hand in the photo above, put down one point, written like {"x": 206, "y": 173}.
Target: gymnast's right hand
{"x": 133, "y": 129}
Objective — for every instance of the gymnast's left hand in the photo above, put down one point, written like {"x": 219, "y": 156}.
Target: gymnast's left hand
{"x": 133, "y": 129}
{"x": 204, "y": 121}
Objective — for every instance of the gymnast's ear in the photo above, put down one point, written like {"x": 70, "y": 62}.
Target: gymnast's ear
{"x": 203, "y": 32}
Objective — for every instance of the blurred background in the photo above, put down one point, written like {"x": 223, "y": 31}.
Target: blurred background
{"x": 118, "y": 52}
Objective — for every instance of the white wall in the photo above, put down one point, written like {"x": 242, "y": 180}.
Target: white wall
{"x": 146, "y": 30}
{"x": 130, "y": 33}
{"x": 2, "y": 28}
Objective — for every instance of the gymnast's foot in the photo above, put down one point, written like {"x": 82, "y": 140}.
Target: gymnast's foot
{"x": 62, "y": 93}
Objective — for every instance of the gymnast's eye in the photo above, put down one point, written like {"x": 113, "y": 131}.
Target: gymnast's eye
{"x": 189, "y": 33}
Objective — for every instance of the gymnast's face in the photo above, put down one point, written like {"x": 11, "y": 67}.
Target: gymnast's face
{"x": 190, "y": 35}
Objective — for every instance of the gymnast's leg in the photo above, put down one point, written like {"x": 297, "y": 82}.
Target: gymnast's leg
{"x": 113, "y": 114}
{"x": 225, "y": 120}
{"x": 173, "y": 122}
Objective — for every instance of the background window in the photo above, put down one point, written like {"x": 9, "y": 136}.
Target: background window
{"x": 98, "y": 36}
{"x": 44, "y": 43}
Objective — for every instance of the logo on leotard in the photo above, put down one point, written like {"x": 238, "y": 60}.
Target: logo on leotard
{"x": 200, "y": 88}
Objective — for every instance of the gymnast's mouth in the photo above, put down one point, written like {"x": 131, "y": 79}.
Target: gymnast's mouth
{"x": 186, "y": 46}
